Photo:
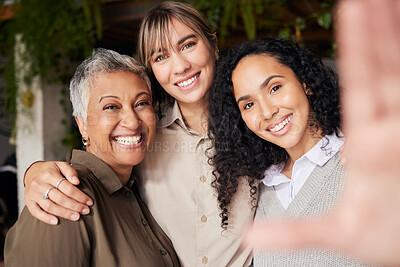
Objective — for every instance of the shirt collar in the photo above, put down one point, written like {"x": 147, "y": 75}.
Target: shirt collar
{"x": 273, "y": 176}
{"x": 107, "y": 177}
{"x": 173, "y": 114}
{"x": 170, "y": 115}
{"x": 324, "y": 150}
{"x": 319, "y": 154}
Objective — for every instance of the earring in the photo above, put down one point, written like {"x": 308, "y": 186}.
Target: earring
{"x": 86, "y": 142}
{"x": 308, "y": 91}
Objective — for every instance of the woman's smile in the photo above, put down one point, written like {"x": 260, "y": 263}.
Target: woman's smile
{"x": 281, "y": 126}
{"x": 129, "y": 141}
{"x": 188, "y": 83}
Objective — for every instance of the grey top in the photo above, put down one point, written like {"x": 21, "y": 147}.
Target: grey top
{"x": 317, "y": 196}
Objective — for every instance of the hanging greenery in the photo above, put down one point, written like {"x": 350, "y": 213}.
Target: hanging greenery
{"x": 53, "y": 33}
{"x": 260, "y": 14}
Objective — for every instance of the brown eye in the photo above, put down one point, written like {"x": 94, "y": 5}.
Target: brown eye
{"x": 143, "y": 103}
{"x": 275, "y": 88}
{"x": 110, "y": 107}
{"x": 248, "y": 105}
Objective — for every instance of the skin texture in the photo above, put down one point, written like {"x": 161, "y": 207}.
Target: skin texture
{"x": 366, "y": 221}
{"x": 267, "y": 94}
{"x": 119, "y": 108}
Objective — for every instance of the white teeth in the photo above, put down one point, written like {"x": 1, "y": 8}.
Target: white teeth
{"x": 281, "y": 125}
{"x": 188, "y": 81}
{"x": 129, "y": 140}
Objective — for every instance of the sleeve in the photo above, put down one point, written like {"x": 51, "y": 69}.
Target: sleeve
{"x": 31, "y": 242}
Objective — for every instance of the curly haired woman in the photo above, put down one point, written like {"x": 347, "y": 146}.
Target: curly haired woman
{"x": 278, "y": 121}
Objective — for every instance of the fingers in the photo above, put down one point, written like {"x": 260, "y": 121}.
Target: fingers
{"x": 53, "y": 207}
{"x": 356, "y": 66}
{"x": 288, "y": 234}
{"x": 68, "y": 197}
{"x": 43, "y": 175}
{"x": 39, "y": 214}
{"x": 386, "y": 50}
{"x": 61, "y": 198}
{"x": 68, "y": 172}
{"x": 66, "y": 201}
{"x": 72, "y": 197}
{"x": 368, "y": 37}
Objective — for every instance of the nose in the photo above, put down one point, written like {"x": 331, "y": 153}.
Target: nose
{"x": 131, "y": 120}
{"x": 180, "y": 64}
{"x": 268, "y": 109}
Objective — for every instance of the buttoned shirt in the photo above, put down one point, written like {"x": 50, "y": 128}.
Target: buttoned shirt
{"x": 119, "y": 231}
{"x": 286, "y": 189}
{"x": 176, "y": 186}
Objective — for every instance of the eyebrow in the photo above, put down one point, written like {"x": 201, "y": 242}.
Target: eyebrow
{"x": 181, "y": 41}
{"x": 262, "y": 85}
{"x": 116, "y": 97}
{"x": 108, "y": 96}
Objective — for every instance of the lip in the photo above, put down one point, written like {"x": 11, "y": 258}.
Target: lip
{"x": 190, "y": 86}
{"x": 282, "y": 131}
{"x": 132, "y": 146}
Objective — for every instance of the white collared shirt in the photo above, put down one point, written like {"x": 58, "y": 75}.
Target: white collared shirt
{"x": 286, "y": 189}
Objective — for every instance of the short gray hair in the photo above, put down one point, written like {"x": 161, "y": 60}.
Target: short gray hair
{"x": 102, "y": 61}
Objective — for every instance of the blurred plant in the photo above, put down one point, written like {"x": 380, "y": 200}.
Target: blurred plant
{"x": 260, "y": 14}
{"x": 53, "y": 33}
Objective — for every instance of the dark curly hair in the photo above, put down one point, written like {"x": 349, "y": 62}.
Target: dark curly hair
{"x": 239, "y": 152}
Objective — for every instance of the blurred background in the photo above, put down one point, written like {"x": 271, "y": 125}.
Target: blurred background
{"x": 42, "y": 41}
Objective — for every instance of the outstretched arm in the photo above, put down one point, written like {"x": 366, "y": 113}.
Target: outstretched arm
{"x": 65, "y": 201}
{"x": 366, "y": 222}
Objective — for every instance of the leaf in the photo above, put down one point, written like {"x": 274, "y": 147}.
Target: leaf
{"x": 285, "y": 33}
{"x": 248, "y": 19}
{"x": 325, "y": 20}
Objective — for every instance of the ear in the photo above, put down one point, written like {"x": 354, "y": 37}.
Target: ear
{"x": 82, "y": 126}
{"x": 306, "y": 89}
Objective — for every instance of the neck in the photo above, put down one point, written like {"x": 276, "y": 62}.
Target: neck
{"x": 122, "y": 171}
{"x": 195, "y": 116}
{"x": 124, "y": 174}
{"x": 300, "y": 149}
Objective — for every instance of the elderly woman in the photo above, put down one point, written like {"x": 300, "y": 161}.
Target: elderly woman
{"x": 112, "y": 105}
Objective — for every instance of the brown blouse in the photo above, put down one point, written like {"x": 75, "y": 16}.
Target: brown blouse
{"x": 119, "y": 231}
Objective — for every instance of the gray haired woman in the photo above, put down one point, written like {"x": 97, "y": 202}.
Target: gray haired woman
{"x": 111, "y": 103}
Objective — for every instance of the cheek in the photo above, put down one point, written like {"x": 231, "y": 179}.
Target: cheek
{"x": 149, "y": 119}
{"x": 249, "y": 120}
{"x": 92, "y": 119}
{"x": 208, "y": 62}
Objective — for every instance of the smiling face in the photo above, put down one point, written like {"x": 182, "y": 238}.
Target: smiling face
{"x": 273, "y": 103}
{"x": 120, "y": 120}
{"x": 185, "y": 66}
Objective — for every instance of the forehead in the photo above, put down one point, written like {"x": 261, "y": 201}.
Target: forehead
{"x": 260, "y": 64}
{"x": 120, "y": 82}
{"x": 168, "y": 34}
